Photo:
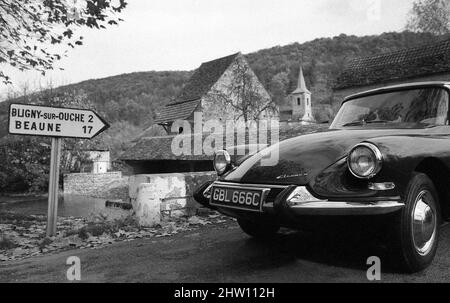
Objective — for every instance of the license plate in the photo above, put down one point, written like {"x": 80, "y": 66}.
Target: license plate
{"x": 250, "y": 199}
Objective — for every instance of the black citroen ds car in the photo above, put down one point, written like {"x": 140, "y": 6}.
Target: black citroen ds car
{"x": 387, "y": 153}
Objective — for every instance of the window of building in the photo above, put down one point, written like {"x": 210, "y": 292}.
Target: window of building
{"x": 299, "y": 101}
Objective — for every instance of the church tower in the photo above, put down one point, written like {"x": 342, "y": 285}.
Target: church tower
{"x": 301, "y": 100}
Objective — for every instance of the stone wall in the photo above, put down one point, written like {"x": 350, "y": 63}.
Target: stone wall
{"x": 111, "y": 185}
{"x": 172, "y": 193}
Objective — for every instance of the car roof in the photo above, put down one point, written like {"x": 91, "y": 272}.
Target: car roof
{"x": 399, "y": 87}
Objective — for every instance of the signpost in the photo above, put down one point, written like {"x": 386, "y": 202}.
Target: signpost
{"x": 58, "y": 123}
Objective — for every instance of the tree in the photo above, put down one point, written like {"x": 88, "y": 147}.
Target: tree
{"x": 132, "y": 110}
{"x": 279, "y": 86}
{"x": 25, "y": 164}
{"x": 432, "y": 16}
{"x": 25, "y": 161}
{"x": 113, "y": 111}
{"x": 29, "y": 28}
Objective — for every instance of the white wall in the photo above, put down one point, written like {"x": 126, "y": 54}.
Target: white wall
{"x": 101, "y": 162}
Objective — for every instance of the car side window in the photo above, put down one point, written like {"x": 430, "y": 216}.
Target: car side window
{"x": 442, "y": 110}
{"x": 429, "y": 107}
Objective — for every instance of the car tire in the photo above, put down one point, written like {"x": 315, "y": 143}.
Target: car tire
{"x": 416, "y": 230}
{"x": 258, "y": 229}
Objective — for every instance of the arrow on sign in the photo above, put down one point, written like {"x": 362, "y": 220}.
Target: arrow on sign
{"x": 37, "y": 120}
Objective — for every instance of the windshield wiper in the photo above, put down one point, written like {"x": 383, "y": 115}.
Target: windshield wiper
{"x": 362, "y": 122}
{"x": 377, "y": 121}
{"x": 354, "y": 123}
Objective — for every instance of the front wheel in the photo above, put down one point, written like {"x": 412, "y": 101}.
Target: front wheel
{"x": 417, "y": 226}
{"x": 258, "y": 229}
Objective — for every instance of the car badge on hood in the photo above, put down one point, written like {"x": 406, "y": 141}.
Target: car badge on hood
{"x": 302, "y": 174}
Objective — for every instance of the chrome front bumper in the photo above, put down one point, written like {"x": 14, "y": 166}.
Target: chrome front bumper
{"x": 297, "y": 200}
{"x": 301, "y": 201}
{"x": 333, "y": 208}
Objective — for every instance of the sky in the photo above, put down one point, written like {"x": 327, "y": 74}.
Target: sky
{"x": 181, "y": 34}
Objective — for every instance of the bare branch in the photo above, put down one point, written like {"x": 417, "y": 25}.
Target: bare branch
{"x": 29, "y": 27}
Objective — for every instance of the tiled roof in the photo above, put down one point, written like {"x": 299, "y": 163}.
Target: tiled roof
{"x": 173, "y": 112}
{"x": 157, "y": 148}
{"x": 198, "y": 85}
{"x": 160, "y": 148}
{"x": 399, "y": 65}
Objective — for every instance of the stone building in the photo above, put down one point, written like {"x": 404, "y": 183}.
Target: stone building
{"x": 211, "y": 91}
{"x": 95, "y": 160}
{"x": 154, "y": 155}
{"x": 101, "y": 161}
{"x": 424, "y": 63}
{"x": 163, "y": 181}
{"x": 297, "y": 106}
{"x": 215, "y": 89}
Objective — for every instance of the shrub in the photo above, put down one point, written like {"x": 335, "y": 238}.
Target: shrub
{"x": 6, "y": 242}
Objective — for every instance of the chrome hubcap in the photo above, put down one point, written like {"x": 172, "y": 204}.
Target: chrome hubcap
{"x": 424, "y": 222}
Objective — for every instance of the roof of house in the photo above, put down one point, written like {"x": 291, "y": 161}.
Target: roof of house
{"x": 157, "y": 148}
{"x": 404, "y": 64}
{"x": 177, "y": 111}
{"x": 160, "y": 148}
{"x": 198, "y": 85}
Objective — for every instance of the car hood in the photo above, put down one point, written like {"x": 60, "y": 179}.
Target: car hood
{"x": 302, "y": 158}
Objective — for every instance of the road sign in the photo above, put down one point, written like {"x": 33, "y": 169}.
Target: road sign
{"x": 49, "y": 121}
{"x": 58, "y": 123}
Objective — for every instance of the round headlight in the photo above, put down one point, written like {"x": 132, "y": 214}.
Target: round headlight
{"x": 222, "y": 162}
{"x": 364, "y": 160}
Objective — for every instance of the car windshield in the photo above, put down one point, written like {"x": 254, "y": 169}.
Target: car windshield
{"x": 405, "y": 108}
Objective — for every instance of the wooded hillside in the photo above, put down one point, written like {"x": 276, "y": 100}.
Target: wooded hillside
{"x": 134, "y": 99}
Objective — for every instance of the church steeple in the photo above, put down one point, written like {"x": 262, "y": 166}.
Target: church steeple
{"x": 301, "y": 84}
{"x": 301, "y": 100}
